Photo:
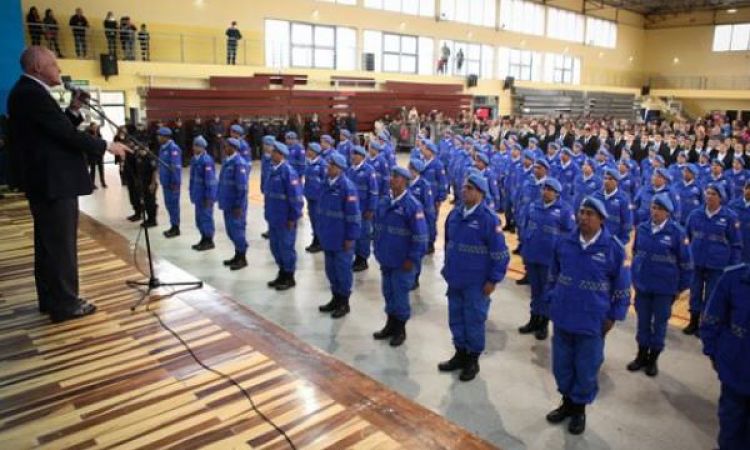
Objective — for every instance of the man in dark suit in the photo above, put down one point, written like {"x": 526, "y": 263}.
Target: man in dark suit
{"x": 590, "y": 142}
{"x": 52, "y": 154}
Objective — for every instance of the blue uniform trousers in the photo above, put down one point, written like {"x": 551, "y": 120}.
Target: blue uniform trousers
{"x": 204, "y": 220}
{"x": 467, "y": 314}
{"x": 432, "y": 228}
{"x": 236, "y": 230}
{"x": 653, "y": 311}
{"x": 312, "y": 211}
{"x": 576, "y": 359}
{"x": 172, "y": 202}
{"x": 538, "y": 281}
{"x": 282, "y": 241}
{"x": 339, "y": 271}
{"x": 363, "y": 244}
{"x": 396, "y": 284}
{"x": 701, "y": 286}
{"x": 734, "y": 419}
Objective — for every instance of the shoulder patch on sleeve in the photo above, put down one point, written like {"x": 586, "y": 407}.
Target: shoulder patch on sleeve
{"x": 351, "y": 198}
{"x": 499, "y": 229}
{"x": 419, "y": 215}
{"x": 295, "y": 182}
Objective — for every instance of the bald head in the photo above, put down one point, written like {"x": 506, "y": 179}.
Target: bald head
{"x": 41, "y": 63}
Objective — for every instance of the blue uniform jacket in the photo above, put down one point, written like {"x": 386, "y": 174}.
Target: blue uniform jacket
{"x": 203, "y": 184}
{"x": 742, "y": 209}
{"x": 400, "y": 231}
{"x": 420, "y": 189}
{"x": 588, "y": 286}
{"x": 737, "y": 182}
{"x": 724, "y": 182}
{"x": 339, "y": 217}
{"x": 345, "y": 148}
{"x": 716, "y": 242}
{"x": 642, "y": 203}
{"x": 725, "y": 328}
{"x": 244, "y": 150}
{"x": 366, "y": 182}
{"x": 434, "y": 173}
{"x": 494, "y": 200}
{"x": 662, "y": 262}
{"x": 567, "y": 177}
{"x": 543, "y": 227}
{"x": 382, "y": 173}
{"x": 475, "y": 250}
{"x": 170, "y": 175}
{"x": 283, "y": 196}
{"x": 297, "y": 158}
{"x": 584, "y": 187}
{"x": 620, "y": 212}
{"x": 691, "y": 197}
{"x": 265, "y": 169}
{"x": 315, "y": 177}
{"x": 233, "y": 183}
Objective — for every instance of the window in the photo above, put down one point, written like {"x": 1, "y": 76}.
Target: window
{"x": 399, "y": 53}
{"x": 295, "y": 44}
{"x": 562, "y": 69}
{"x": 602, "y": 33}
{"x": 732, "y": 37}
{"x": 468, "y": 59}
{"x": 475, "y": 12}
{"x": 522, "y": 17}
{"x": 565, "y": 25}
{"x": 340, "y": 2}
{"x": 413, "y": 7}
{"x": 523, "y": 65}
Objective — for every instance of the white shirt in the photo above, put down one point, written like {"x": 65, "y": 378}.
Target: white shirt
{"x": 584, "y": 243}
{"x": 608, "y": 196}
{"x": 231, "y": 157}
{"x": 655, "y": 228}
{"x": 332, "y": 181}
{"x": 275, "y": 166}
{"x": 711, "y": 214}
{"x": 400, "y": 196}
{"x": 358, "y": 166}
{"x": 411, "y": 183}
{"x": 468, "y": 212}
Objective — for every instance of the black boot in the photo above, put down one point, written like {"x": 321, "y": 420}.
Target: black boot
{"x": 387, "y": 330}
{"x": 415, "y": 286}
{"x": 195, "y": 246}
{"x": 331, "y": 305}
{"x": 640, "y": 359}
{"x": 286, "y": 282}
{"x": 276, "y": 280}
{"x": 135, "y": 217}
{"x": 692, "y": 328}
{"x": 471, "y": 368}
{"x": 360, "y": 264}
{"x": 342, "y": 308}
{"x": 314, "y": 246}
{"x": 542, "y": 329}
{"x": 172, "y": 232}
{"x": 430, "y": 249}
{"x": 517, "y": 251}
{"x": 399, "y": 333}
{"x": 561, "y": 413}
{"x": 204, "y": 244}
{"x": 149, "y": 223}
{"x": 530, "y": 326}
{"x": 457, "y": 361}
{"x": 264, "y": 235}
{"x": 239, "y": 263}
{"x": 523, "y": 281}
{"x": 652, "y": 368}
{"x": 577, "y": 422}
{"x": 230, "y": 261}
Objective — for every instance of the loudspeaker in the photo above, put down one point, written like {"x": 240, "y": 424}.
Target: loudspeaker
{"x": 368, "y": 62}
{"x": 471, "y": 80}
{"x": 645, "y": 90}
{"x": 508, "y": 83}
{"x": 108, "y": 64}
{"x": 133, "y": 115}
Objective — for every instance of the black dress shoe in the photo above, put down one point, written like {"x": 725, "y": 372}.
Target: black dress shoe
{"x": 399, "y": 333}
{"x": 577, "y": 424}
{"x": 456, "y": 362}
{"x": 387, "y": 330}
{"x": 360, "y": 264}
{"x": 203, "y": 245}
{"x": 230, "y": 261}
{"x": 560, "y": 413}
{"x": 542, "y": 330}
{"x": 83, "y": 309}
{"x": 172, "y": 232}
{"x": 286, "y": 282}
{"x": 264, "y": 235}
{"x": 430, "y": 249}
{"x": 239, "y": 263}
{"x": 330, "y": 306}
{"x": 530, "y": 326}
{"x": 342, "y": 310}
{"x": 135, "y": 217}
{"x": 149, "y": 223}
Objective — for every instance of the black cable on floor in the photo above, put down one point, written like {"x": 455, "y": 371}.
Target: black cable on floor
{"x": 226, "y": 377}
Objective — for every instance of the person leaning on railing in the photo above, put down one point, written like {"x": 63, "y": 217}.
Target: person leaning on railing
{"x": 110, "y": 32}
{"x": 79, "y": 24}
{"x": 35, "y": 26}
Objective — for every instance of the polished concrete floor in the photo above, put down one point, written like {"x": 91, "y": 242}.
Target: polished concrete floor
{"x": 507, "y": 402}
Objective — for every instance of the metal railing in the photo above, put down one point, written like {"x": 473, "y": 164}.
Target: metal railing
{"x": 697, "y": 82}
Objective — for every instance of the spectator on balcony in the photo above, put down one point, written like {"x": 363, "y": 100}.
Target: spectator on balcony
{"x": 445, "y": 54}
{"x": 144, "y": 37}
{"x": 79, "y": 25}
{"x": 35, "y": 26}
{"x": 51, "y": 30}
{"x": 459, "y": 59}
{"x": 110, "y": 32}
{"x": 127, "y": 38}
{"x": 233, "y": 36}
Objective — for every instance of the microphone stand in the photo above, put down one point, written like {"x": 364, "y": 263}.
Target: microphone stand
{"x": 153, "y": 282}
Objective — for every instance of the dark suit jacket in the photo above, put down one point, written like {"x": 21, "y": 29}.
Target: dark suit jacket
{"x": 590, "y": 146}
{"x": 50, "y": 149}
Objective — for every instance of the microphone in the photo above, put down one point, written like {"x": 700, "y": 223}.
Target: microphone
{"x": 80, "y": 94}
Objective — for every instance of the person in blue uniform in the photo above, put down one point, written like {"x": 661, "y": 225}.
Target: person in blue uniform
{"x": 567, "y": 172}
{"x": 482, "y": 164}
{"x": 660, "y": 180}
{"x": 726, "y": 341}
{"x": 662, "y": 268}
{"x": 268, "y": 144}
{"x": 296, "y": 153}
{"x": 691, "y": 194}
{"x": 282, "y": 210}
{"x": 628, "y": 182}
{"x": 363, "y": 176}
{"x": 315, "y": 178}
{"x": 400, "y": 242}
{"x": 719, "y": 177}
{"x": 476, "y": 259}
{"x": 589, "y": 291}
{"x": 327, "y": 146}
{"x": 741, "y": 206}
{"x": 378, "y": 160}
{"x": 339, "y": 223}
{"x": 203, "y": 188}
{"x": 619, "y": 209}
{"x": 170, "y": 177}
{"x": 515, "y": 169}
{"x": 421, "y": 190}
{"x": 586, "y": 184}
{"x": 716, "y": 243}
{"x": 547, "y": 220}
{"x": 345, "y": 144}
{"x": 434, "y": 174}
{"x": 737, "y": 177}
{"x": 237, "y": 131}
{"x": 232, "y": 195}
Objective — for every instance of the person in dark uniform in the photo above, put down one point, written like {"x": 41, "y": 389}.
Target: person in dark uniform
{"x": 79, "y": 25}
{"x": 147, "y": 176}
{"x": 110, "y": 32}
{"x": 51, "y": 32}
{"x": 34, "y": 25}
{"x": 144, "y": 38}
{"x": 53, "y": 163}
{"x": 233, "y": 36}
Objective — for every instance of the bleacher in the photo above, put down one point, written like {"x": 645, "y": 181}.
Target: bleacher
{"x": 538, "y": 102}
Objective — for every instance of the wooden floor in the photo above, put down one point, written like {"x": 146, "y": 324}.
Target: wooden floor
{"x": 118, "y": 379}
